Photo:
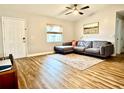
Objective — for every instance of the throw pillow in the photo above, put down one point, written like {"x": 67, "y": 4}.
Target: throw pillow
{"x": 74, "y": 43}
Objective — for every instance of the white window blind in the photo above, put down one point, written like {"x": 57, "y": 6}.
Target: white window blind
{"x": 54, "y": 33}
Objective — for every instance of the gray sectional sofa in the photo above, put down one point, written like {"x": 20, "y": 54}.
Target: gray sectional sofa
{"x": 95, "y": 48}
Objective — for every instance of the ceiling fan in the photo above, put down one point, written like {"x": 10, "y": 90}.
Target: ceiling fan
{"x": 75, "y": 10}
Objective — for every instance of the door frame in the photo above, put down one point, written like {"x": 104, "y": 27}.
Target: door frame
{"x": 117, "y": 40}
{"x": 118, "y": 34}
{"x": 3, "y": 33}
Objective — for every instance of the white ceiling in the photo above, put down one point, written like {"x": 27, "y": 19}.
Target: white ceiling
{"x": 53, "y": 10}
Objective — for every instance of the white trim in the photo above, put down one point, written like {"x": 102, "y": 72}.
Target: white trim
{"x": 38, "y": 54}
{"x": 3, "y": 32}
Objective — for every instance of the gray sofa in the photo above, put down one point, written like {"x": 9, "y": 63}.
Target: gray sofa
{"x": 95, "y": 48}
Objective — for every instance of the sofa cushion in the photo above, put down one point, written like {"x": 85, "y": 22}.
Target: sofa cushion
{"x": 86, "y": 44}
{"x": 92, "y": 50}
{"x": 98, "y": 44}
{"x": 67, "y": 44}
{"x": 79, "y": 49}
{"x": 64, "y": 47}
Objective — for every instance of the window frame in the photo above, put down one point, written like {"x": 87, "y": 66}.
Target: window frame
{"x": 53, "y": 32}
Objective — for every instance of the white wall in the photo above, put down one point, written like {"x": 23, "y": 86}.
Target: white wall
{"x": 107, "y": 21}
{"x": 37, "y": 34}
{"x": 36, "y": 30}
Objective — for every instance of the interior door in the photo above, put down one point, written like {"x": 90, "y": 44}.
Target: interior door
{"x": 118, "y": 35}
{"x": 14, "y": 37}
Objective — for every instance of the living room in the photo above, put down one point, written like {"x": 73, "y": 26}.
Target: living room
{"x": 74, "y": 29}
{"x": 36, "y": 59}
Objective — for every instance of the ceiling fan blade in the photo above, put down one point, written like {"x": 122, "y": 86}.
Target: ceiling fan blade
{"x": 68, "y": 7}
{"x": 68, "y": 13}
{"x": 84, "y": 7}
{"x": 63, "y": 12}
{"x": 81, "y": 13}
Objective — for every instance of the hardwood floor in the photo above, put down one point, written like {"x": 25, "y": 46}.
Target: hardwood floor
{"x": 44, "y": 72}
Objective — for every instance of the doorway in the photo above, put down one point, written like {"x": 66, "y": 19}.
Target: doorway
{"x": 119, "y": 33}
{"x": 14, "y": 37}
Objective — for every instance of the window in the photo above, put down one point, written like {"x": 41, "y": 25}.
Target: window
{"x": 54, "y": 33}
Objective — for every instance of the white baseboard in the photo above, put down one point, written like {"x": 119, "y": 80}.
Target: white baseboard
{"x": 38, "y": 54}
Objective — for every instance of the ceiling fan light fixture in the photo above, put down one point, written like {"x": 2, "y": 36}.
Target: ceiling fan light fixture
{"x": 75, "y": 12}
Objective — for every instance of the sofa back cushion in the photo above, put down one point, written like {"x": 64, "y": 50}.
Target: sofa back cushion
{"x": 86, "y": 44}
{"x": 98, "y": 44}
{"x": 67, "y": 44}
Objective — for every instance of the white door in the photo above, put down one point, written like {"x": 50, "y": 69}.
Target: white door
{"x": 118, "y": 35}
{"x": 122, "y": 37}
{"x": 14, "y": 37}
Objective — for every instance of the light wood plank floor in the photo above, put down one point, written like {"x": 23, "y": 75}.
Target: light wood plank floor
{"x": 43, "y": 72}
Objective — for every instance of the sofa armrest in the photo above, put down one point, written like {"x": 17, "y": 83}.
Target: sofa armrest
{"x": 107, "y": 50}
{"x": 67, "y": 44}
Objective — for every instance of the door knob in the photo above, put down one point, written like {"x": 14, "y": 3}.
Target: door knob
{"x": 23, "y": 38}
